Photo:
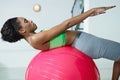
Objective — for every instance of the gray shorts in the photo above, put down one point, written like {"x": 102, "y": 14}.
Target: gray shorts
{"x": 96, "y": 47}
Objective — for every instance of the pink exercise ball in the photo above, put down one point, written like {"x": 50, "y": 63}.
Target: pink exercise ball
{"x": 64, "y": 63}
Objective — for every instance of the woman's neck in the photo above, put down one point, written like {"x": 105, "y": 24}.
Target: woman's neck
{"x": 28, "y": 37}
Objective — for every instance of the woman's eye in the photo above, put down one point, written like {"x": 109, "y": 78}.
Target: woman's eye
{"x": 25, "y": 20}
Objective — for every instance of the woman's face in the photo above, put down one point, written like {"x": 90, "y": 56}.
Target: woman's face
{"x": 28, "y": 25}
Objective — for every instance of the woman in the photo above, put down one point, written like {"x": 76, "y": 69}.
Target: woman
{"x": 18, "y": 28}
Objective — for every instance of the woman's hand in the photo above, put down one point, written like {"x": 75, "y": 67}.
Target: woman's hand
{"x": 100, "y": 10}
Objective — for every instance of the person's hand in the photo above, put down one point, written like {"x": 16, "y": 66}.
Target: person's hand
{"x": 100, "y": 10}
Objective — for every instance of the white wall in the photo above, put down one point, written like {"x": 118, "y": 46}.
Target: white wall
{"x": 106, "y": 25}
{"x": 15, "y": 57}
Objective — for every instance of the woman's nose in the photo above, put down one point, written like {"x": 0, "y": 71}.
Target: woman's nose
{"x": 30, "y": 21}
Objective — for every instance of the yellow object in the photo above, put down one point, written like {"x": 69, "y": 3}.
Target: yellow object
{"x": 36, "y": 7}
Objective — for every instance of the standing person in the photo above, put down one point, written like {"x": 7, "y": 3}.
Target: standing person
{"x": 18, "y": 28}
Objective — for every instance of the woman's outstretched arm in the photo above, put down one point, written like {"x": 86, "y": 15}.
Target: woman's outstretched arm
{"x": 54, "y": 31}
{"x": 92, "y": 12}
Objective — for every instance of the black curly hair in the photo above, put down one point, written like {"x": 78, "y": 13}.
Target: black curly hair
{"x": 10, "y": 29}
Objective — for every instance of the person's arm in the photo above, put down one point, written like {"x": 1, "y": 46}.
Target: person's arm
{"x": 54, "y": 31}
{"x": 92, "y": 12}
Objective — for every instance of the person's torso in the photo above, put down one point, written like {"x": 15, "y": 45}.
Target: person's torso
{"x": 68, "y": 35}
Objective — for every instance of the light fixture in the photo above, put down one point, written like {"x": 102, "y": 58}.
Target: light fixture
{"x": 37, "y": 7}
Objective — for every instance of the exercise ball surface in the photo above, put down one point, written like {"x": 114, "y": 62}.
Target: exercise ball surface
{"x": 64, "y": 63}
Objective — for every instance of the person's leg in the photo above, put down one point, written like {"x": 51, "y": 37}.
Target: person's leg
{"x": 116, "y": 70}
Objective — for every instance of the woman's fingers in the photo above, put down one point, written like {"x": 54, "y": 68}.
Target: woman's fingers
{"x": 106, "y": 8}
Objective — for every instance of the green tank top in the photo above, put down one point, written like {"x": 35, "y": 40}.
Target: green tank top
{"x": 58, "y": 41}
